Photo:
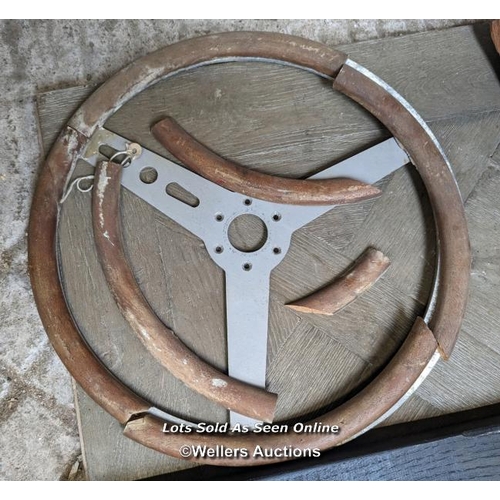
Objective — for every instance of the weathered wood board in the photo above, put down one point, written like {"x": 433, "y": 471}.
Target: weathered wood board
{"x": 282, "y": 120}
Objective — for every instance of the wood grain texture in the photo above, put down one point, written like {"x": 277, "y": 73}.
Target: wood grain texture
{"x": 468, "y": 380}
{"x": 336, "y": 372}
{"x": 445, "y": 73}
{"x": 195, "y": 302}
{"x": 113, "y": 344}
{"x": 483, "y": 213}
{"x": 280, "y": 120}
{"x": 372, "y": 328}
{"x": 432, "y": 79}
{"x": 415, "y": 408}
{"x": 471, "y": 377}
{"x": 401, "y": 223}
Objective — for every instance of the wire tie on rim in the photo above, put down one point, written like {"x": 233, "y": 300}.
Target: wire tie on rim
{"x": 132, "y": 152}
{"x": 76, "y": 182}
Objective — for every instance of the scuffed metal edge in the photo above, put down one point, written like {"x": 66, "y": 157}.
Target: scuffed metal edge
{"x": 425, "y": 373}
{"x": 431, "y": 305}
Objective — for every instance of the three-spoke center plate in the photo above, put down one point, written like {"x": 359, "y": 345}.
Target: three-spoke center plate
{"x": 209, "y": 216}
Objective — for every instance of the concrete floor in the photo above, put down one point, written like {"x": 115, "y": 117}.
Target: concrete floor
{"x": 38, "y": 431}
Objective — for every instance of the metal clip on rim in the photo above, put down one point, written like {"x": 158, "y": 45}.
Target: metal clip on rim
{"x": 422, "y": 347}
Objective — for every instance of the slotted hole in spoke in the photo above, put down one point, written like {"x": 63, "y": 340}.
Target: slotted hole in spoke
{"x": 179, "y": 193}
{"x": 107, "y": 151}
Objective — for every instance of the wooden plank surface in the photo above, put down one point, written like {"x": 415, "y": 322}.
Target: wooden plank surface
{"x": 409, "y": 242}
{"x": 288, "y": 122}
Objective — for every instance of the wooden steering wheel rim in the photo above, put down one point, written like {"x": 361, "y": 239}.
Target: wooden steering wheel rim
{"x": 427, "y": 340}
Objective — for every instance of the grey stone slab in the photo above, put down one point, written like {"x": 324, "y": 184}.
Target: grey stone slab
{"x": 38, "y": 432}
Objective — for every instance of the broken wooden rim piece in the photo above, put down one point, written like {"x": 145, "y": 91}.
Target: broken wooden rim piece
{"x": 332, "y": 298}
{"x": 495, "y": 34}
{"x": 415, "y": 358}
{"x": 447, "y": 307}
{"x": 159, "y": 340}
{"x": 234, "y": 177}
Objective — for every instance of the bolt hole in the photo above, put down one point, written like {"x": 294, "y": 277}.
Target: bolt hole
{"x": 276, "y": 217}
{"x": 248, "y": 202}
{"x": 276, "y": 250}
{"x": 247, "y": 266}
{"x": 219, "y": 217}
{"x": 148, "y": 175}
{"x": 219, "y": 249}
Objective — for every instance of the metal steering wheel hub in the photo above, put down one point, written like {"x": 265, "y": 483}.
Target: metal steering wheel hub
{"x": 225, "y": 191}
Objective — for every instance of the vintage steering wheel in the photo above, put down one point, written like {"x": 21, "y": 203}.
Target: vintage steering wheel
{"x": 431, "y": 337}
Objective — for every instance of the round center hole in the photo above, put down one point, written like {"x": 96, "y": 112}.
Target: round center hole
{"x": 247, "y": 233}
